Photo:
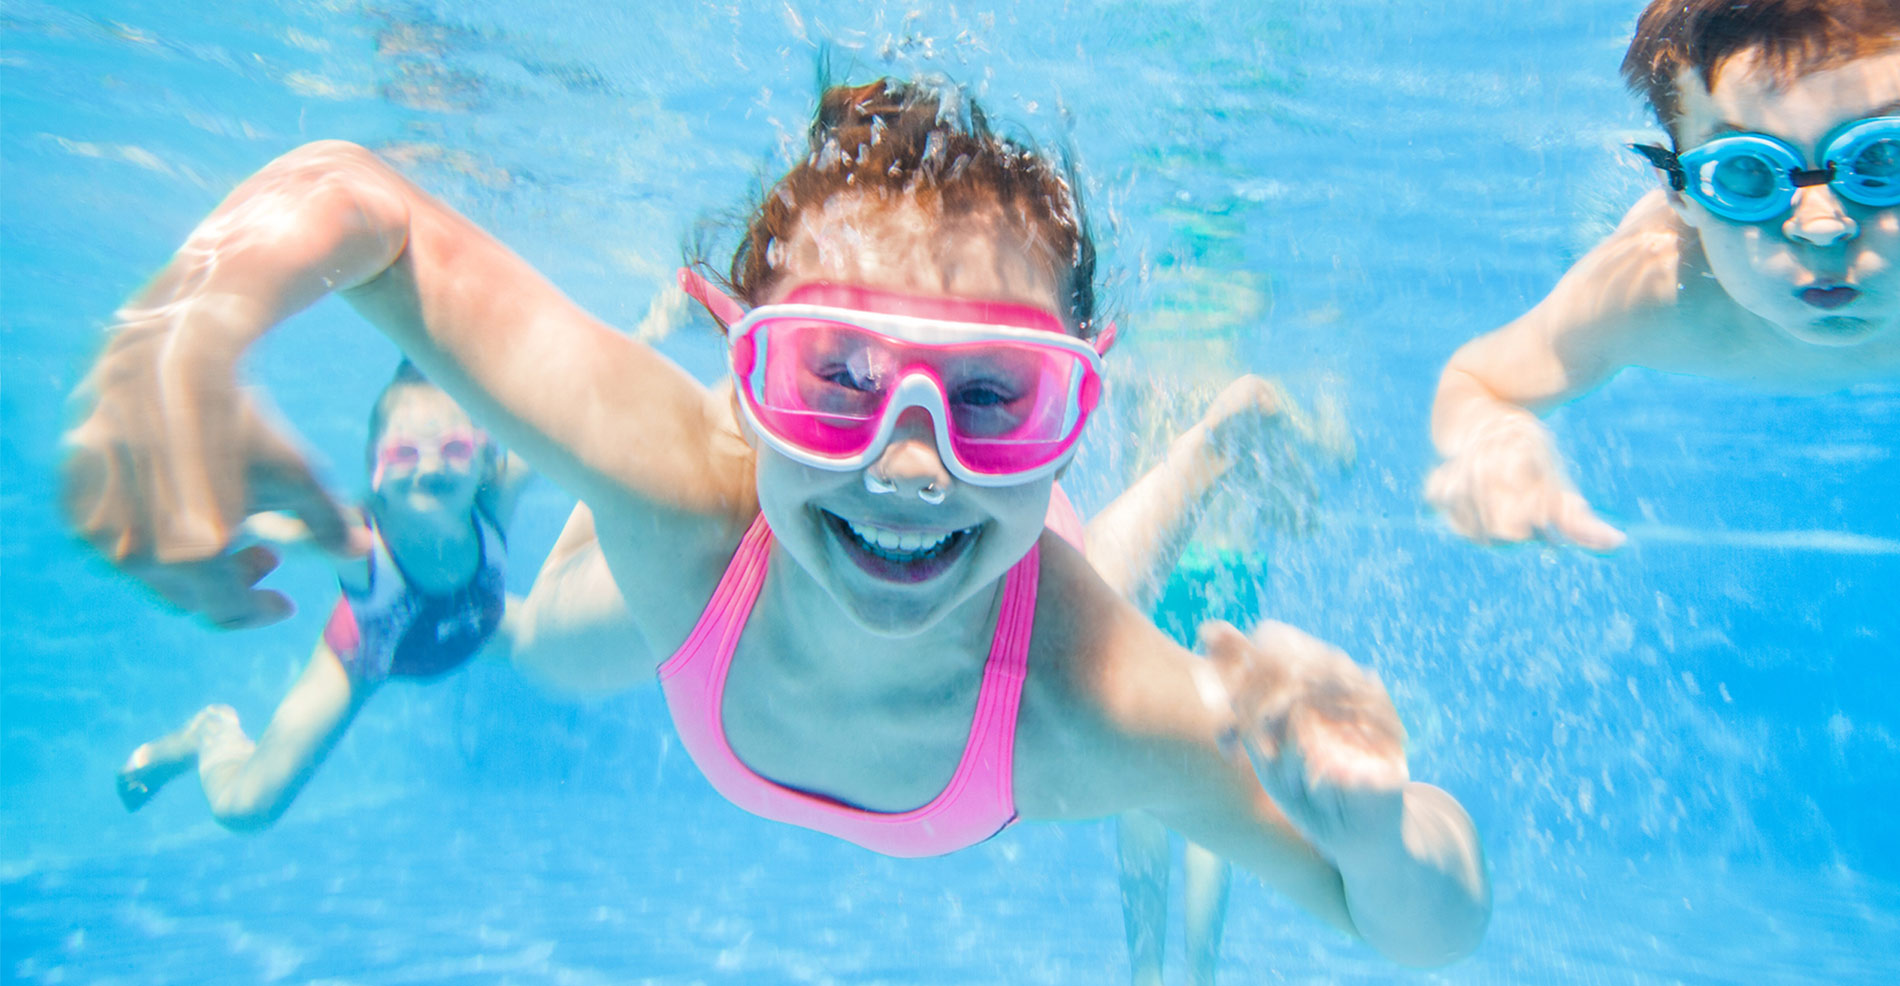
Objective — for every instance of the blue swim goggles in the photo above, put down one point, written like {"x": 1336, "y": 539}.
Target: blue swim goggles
{"x": 1749, "y": 178}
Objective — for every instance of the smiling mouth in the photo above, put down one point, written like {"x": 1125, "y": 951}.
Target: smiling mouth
{"x": 899, "y": 556}
{"x": 1830, "y": 297}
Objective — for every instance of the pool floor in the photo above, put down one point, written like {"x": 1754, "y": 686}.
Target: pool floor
{"x": 532, "y": 888}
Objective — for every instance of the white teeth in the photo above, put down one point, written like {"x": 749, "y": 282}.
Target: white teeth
{"x": 898, "y": 545}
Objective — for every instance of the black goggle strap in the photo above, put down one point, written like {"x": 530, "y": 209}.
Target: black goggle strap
{"x": 1665, "y": 161}
{"x": 1807, "y": 178}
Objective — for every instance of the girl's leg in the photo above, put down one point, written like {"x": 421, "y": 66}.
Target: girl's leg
{"x": 154, "y": 764}
{"x": 1206, "y": 880}
{"x": 248, "y": 785}
{"x": 1141, "y": 843}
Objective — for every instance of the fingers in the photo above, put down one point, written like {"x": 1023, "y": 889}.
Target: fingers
{"x": 1249, "y": 393}
{"x": 1576, "y": 522}
{"x": 253, "y": 563}
{"x": 221, "y": 591}
{"x": 333, "y": 526}
{"x": 281, "y": 479}
{"x": 1504, "y": 498}
{"x": 1258, "y": 687}
{"x": 92, "y": 500}
{"x": 1237, "y": 419}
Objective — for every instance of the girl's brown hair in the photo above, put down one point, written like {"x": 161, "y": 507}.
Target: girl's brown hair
{"x": 934, "y": 146}
{"x": 1794, "y": 37}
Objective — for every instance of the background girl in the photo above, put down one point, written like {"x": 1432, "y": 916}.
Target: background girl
{"x": 424, "y": 600}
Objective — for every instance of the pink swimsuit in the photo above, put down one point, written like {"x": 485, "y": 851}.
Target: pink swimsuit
{"x": 978, "y": 802}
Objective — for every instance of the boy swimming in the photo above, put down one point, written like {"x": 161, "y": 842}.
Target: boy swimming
{"x": 1771, "y": 258}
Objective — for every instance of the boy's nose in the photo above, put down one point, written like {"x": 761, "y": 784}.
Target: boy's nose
{"x": 1818, "y": 218}
{"x": 911, "y": 461}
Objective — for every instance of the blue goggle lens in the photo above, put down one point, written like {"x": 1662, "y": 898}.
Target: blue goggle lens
{"x": 1744, "y": 177}
{"x": 1867, "y": 156}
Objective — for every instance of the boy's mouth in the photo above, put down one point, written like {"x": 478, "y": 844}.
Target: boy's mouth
{"x": 899, "y": 556}
{"x": 1829, "y": 297}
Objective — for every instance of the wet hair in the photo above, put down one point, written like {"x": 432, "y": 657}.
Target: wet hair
{"x": 1794, "y": 38}
{"x": 407, "y": 376}
{"x": 932, "y": 145}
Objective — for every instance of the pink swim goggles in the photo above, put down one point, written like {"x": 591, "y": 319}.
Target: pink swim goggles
{"x": 456, "y": 448}
{"x": 825, "y": 375}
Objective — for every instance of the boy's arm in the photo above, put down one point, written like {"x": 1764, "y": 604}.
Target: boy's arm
{"x": 1501, "y": 478}
{"x": 1135, "y": 541}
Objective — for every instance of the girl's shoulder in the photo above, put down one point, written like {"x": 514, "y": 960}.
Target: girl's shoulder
{"x": 1107, "y": 693}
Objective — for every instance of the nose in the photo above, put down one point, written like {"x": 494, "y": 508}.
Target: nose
{"x": 1818, "y": 218}
{"x": 910, "y": 461}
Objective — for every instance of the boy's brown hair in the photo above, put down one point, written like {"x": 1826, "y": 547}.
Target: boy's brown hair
{"x": 1794, "y": 37}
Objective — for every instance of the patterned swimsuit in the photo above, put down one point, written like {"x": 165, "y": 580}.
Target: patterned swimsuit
{"x": 387, "y": 629}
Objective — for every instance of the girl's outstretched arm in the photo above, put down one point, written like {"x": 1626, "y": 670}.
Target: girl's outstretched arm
{"x": 1327, "y": 747}
{"x": 1279, "y": 754}
{"x": 172, "y": 455}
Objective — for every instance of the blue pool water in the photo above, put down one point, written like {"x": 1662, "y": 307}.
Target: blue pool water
{"x": 1682, "y": 758}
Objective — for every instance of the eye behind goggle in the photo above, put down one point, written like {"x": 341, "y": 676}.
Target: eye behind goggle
{"x": 1743, "y": 177}
{"x": 1866, "y": 157}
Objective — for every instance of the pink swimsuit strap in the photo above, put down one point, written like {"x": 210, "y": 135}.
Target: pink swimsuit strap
{"x": 978, "y": 802}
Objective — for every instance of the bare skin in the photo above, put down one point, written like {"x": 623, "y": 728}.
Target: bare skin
{"x": 572, "y": 633}
{"x": 1678, "y": 289}
{"x": 421, "y": 515}
{"x": 844, "y": 683}
{"x": 1134, "y": 543}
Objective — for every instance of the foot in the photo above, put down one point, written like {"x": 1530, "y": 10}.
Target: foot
{"x": 153, "y": 764}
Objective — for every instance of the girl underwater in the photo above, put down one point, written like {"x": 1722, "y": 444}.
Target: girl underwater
{"x": 426, "y": 598}
{"x": 894, "y": 651}
{"x": 1133, "y": 543}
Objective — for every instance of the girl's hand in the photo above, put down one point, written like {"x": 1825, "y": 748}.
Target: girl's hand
{"x": 1507, "y": 484}
{"x": 1320, "y": 732}
{"x": 170, "y": 458}
{"x": 1241, "y": 412}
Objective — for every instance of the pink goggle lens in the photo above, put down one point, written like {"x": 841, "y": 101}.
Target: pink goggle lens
{"x": 825, "y": 386}
{"x": 455, "y": 450}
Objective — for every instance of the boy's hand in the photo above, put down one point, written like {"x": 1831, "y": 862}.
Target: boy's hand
{"x": 1507, "y": 484}
{"x": 170, "y": 458}
{"x": 1320, "y": 732}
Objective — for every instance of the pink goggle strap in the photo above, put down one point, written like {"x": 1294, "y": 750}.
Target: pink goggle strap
{"x": 716, "y": 301}
{"x": 726, "y": 310}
